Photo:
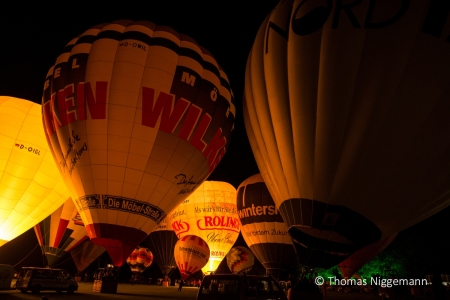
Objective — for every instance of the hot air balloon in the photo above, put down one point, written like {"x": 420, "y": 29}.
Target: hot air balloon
{"x": 357, "y": 260}
{"x": 60, "y": 232}
{"x": 263, "y": 228}
{"x": 85, "y": 254}
{"x": 140, "y": 259}
{"x": 346, "y": 110}
{"x": 240, "y": 260}
{"x": 31, "y": 187}
{"x": 137, "y": 116}
{"x": 145, "y": 257}
{"x": 210, "y": 213}
{"x": 161, "y": 242}
{"x": 191, "y": 254}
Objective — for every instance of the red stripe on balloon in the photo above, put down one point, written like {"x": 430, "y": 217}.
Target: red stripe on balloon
{"x": 60, "y": 233}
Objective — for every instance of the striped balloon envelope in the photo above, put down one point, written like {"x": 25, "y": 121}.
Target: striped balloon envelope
{"x": 240, "y": 260}
{"x": 191, "y": 254}
{"x": 161, "y": 242}
{"x": 144, "y": 258}
{"x": 263, "y": 228}
{"x": 31, "y": 187}
{"x": 140, "y": 259}
{"x": 60, "y": 232}
{"x": 137, "y": 117}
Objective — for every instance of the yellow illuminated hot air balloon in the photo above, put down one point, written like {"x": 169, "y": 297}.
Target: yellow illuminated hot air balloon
{"x": 210, "y": 213}
{"x": 137, "y": 116}
{"x": 31, "y": 187}
{"x": 347, "y": 108}
{"x": 240, "y": 260}
{"x": 60, "y": 232}
{"x": 191, "y": 253}
{"x": 263, "y": 228}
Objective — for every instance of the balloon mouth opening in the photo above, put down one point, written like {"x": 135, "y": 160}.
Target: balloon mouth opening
{"x": 325, "y": 241}
{"x": 328, "y": 235}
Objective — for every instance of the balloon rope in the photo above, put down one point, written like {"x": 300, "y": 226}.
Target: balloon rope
{"x": 27, "y": 255}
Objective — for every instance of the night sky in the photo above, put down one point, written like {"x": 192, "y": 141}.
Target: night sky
{"x": 32, "y": 38}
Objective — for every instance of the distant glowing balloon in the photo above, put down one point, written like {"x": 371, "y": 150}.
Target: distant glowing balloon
{"x": 137, "y": 117}
{"x": 263, "y": 228}
{"x": 131, "y": 260}
{"x": 191, "y": 254}
{"x": 240, "y": 260}
{"x": 346, "y": 109}
{"x": 210, "y": 213}
{"x": 140, "y": 259}
{"x": 31, "y": 187}
{"x": 60, "y": 232}
{"x": 161, "y": 242}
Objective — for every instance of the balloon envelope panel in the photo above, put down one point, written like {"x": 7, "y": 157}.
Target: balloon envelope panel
{"x": 137, "y": 116}
{"x": 161, "y": 241}
{"x": 31, "y": 187}
{"x": 85, "y": 254}
{"x": 346, "y": 116}
{"x": 162, "y": 244}
{"x": 60, "y": 232}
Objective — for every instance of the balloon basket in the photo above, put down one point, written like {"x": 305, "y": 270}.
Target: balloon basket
{"x": 165, "y": 283}
{"x": 101, "y": 286}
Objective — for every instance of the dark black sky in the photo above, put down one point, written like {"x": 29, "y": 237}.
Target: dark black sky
{"x": 32, "y": 37}
{"x": 32, "y": 40}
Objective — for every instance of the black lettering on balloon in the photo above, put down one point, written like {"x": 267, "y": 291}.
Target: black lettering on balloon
{"x": 182, "y": 180}
{"x": 283, "y": 33}
{"x": 312, "y": 20}
{"x": 77, "y": 156}
{"x": 347, "y": 9}
{"x": 189, "y": 185}
{"x": 436, "y": 17}
{"x": 72, "y": 141}
{"x": 369, "y": 25}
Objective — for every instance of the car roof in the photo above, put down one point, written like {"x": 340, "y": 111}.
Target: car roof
{"x": 37, "y": 268}
{"x": 213, "y": 276}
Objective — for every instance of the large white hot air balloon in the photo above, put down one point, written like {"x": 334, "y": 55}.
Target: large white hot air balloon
{"x": 137, "y": 117}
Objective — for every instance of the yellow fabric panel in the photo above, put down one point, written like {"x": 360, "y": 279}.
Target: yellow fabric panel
{"x": 31, "y": 187}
